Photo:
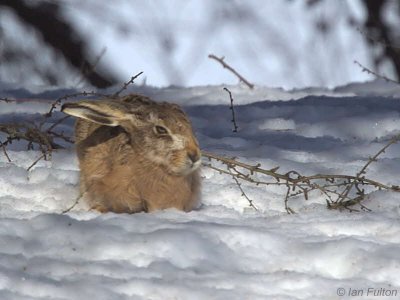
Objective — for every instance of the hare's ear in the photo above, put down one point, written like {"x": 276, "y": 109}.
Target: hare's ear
{"x": 102, "y": 112}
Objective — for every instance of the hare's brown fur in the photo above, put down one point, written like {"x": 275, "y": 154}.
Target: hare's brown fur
{"x": 129, "y": 166}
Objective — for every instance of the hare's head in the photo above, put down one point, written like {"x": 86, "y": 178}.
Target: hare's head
{"x": 159, "y": 132}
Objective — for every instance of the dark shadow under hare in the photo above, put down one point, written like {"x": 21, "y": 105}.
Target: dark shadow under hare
{"x": 136, "y": 155}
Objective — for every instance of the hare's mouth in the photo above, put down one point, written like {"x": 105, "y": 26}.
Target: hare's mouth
{"x": 188, "y": 167}
{"x": 195, "y": 165}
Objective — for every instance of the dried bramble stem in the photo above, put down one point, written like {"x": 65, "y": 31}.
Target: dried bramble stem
{"x": 58, "y": 101}
{"x": 73, "y": 204}
{"x": 251, "y": 204}
{"x": 90, "y": 68}
{"x": 286, "y": 201}
{"x": 36, "y": 161}
{"x": 369, "y": 71}
{"x": 33, "y": 135}
{"x": 126, "y": 84}
{"x": 298, "y": 184}
{"x": 57, "y": 123}
{"x": 44, "y": 138}
{"x": 360, "y": 175}
{"x": 235, "y": 127}
{"x": 226, "y": 66}
{"x": 278, "y": 176}
{"x": 5, "y": 151}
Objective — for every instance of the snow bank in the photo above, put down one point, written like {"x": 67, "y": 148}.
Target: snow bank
{"x": 224, "y": 250}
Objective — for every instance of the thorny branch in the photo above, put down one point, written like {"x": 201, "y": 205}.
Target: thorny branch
{"x": 251, "y": 204}
{"x": 235, "y": 127}
{"x": 32, "y": 135}
{"x": 44, "y": 139}
{"x": 79, "y": 197}
{"x": 59, "y": 100}
{"x": 341, "y": 201}
{"x": 29, "y": 133}
{"x": 336, "y": 188}
{"x": 369, "y": 71}
{"x": 3, "y": 147}
{"x": 90, "y": 68}
{"x": 36, "y": 161}
{"x": 226, "y": 66}
{"x": 126, "y": 84}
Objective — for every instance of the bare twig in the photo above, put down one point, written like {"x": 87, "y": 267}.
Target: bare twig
{"x": 58, "y": 101}
{"x": 5, "y": 151}
{"x": 360, "y": 175}
{"x": 226, "y": 66}
{"x": 235, "y": 127}
{"x": 286, "y": 201}
{"x": 29, "y": 133}
{"x": 369, "y": 71}
{"x": 73, "y": 204}
{"x": 57, "y": 123}
{"x": 298, "y": 184}
{"x": 61, "y": 136}
{"x": 278, "y": 176}
{"x": 36, "y": 161}
{"x": 126, "y": 84}
{"x": 88, "y": 68}
{"x": 251, "y": 204}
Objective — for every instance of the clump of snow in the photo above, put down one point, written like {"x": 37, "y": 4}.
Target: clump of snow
{"x": 277, "y": 124}
{"x": 225, "y": 249}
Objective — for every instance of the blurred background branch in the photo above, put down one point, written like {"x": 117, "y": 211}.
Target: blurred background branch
{"x": 294, "y": 43}
{"x": 58, "y": 34}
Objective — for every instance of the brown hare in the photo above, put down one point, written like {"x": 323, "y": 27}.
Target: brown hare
{"x": 136, "y": 155}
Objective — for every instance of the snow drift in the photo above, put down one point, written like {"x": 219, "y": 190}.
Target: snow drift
{"x": 224, "y": 250}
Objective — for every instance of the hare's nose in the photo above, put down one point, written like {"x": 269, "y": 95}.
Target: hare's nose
{"x": 194, "y": 156}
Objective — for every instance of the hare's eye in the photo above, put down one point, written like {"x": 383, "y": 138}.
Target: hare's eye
{"x": 161, "y": 130}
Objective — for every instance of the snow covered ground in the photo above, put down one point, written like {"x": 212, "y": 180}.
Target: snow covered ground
{"x": 224, "y": 250}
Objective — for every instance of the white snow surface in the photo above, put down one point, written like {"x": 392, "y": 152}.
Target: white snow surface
{"x": 225, "y": 249}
